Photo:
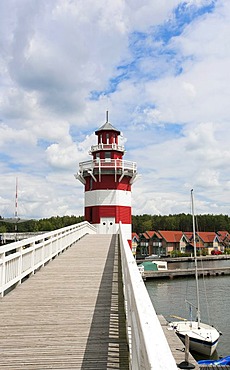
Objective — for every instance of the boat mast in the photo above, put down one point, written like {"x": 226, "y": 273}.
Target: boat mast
{"x": 195, "y": 259}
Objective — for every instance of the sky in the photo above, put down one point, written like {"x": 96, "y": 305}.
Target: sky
{"x": 161, "y": 69}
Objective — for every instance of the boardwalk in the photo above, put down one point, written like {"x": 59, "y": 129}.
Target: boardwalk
{"x": 70, "y": 314}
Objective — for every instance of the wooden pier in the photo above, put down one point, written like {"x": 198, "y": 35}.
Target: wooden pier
{"x": 175, "y": 344}
{"x": 70, "y": 314}
{"x": 170, "y": 274}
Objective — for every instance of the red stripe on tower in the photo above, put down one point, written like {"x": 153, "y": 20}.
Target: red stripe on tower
{"x": 108, "y": 180}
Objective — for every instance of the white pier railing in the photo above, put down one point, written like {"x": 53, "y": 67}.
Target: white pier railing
{"x": 22, "y": 258}
{"x": 149, "y": 348}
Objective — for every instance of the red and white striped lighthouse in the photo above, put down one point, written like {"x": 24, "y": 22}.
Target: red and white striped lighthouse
{"x": 108, "y": 179}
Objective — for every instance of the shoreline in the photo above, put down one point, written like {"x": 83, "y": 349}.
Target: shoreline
{"x": 220, "y": 257}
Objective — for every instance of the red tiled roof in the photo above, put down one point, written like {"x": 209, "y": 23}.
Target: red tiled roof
{"x": 171, "y": 236}
{"x": 145, "y": 235}
{"x": 152, "y": 233}
{"x": 223, "y": 235}
{"x": 198, "y": 245}
{"x": 207, "y": 236}
{"x": 134, "y": 235}
{"x": 188, "y": 234}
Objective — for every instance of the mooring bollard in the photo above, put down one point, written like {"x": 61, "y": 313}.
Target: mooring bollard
{"x": 185, "y": 364}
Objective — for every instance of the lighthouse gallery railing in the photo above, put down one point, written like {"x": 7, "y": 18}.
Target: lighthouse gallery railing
{"x": 149, "y": 348}
{"x": 112, "y": 146}
{"x": 107, "y": 163}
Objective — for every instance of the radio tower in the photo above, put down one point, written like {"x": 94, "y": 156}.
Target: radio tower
{"x": 16, "y": 206}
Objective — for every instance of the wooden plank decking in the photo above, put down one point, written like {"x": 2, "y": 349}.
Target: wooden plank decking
{"x": 70, "y": 314}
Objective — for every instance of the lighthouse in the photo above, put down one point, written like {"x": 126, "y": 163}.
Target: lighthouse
{"x": 107, "y": 179}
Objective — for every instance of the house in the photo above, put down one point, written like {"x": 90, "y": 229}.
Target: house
{"x": 144, "y": 244}
{"x": 224, "y": 238}
{"x": 208, "y": 240}
{"x": 173, "y": 241}
{"x": 135, "y": 242}
{"x": 164, "y": 242}
{"x": 189, "y": 246}
{"x": 155, "y": 243}
{"x": 150, "y": 243}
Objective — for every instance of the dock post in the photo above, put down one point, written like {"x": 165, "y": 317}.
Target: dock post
{"x": 185, "y": 364}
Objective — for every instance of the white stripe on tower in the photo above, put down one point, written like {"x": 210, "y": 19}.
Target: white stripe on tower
{"x": 107, "y": 197}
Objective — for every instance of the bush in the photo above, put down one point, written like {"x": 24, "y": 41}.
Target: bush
{"x": 203, "y": 252}
{"x": 179, "y": 254}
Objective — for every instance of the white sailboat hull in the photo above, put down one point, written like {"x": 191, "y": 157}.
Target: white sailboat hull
{"x": 203, "y": 340}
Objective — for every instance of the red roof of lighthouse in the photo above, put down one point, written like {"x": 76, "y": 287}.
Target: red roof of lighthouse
{"x": 107, "y": 126}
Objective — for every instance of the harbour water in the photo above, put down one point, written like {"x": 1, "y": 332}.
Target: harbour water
{"x": 168, "y": 298}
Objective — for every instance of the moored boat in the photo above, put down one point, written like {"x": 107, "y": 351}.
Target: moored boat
{"x": 158, "y": 265}
{"x": 221, "y": 361}
{"x": 203, "y": 338}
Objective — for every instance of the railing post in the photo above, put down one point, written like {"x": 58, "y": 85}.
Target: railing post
{"x": 33, "y": 258}
{"x": 20, "y": 265}
{"x": 3, "y": 274}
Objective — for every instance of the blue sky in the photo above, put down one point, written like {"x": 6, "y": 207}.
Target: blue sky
{"x": 161, "y": 68}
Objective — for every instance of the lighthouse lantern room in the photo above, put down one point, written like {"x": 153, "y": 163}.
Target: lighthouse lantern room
{"x": 108, "y": 179}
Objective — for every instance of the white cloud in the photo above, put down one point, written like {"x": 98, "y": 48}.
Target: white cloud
{"x": 166, "y": 88}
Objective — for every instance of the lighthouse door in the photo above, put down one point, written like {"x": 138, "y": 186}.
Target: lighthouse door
{"x": 107, "y": 225}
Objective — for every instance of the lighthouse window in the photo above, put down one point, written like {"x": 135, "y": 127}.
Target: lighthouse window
{"x": 107, "y": 138}
{"x": 90, "y": 183}
{"x": 107, "y": 156}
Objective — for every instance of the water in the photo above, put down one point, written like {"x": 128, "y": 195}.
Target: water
{"x": 168, "y": 298}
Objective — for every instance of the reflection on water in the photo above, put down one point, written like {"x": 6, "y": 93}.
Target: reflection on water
{"x": 168, "y": 298}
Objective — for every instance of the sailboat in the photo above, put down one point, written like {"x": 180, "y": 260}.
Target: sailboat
{"x": 203, "y": 338}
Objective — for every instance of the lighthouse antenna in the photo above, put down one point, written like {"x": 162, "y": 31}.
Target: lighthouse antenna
{"x": 107, "y": 116}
